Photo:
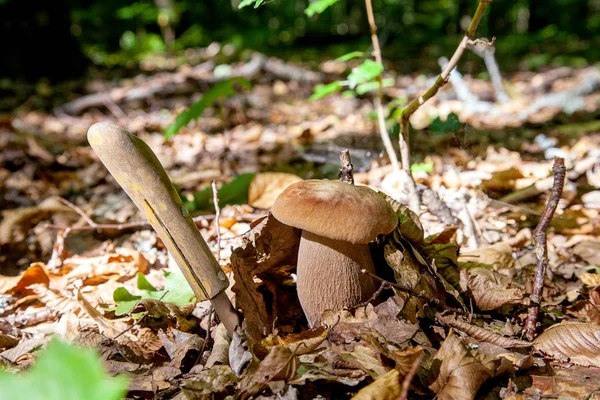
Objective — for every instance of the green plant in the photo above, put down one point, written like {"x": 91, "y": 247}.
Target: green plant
{"x": 63, "y": 372}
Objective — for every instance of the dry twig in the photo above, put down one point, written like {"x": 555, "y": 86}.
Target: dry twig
{"x": 387, "y": 143}
{"x": 541, "y": 245}
{"x": 416, "y": 103}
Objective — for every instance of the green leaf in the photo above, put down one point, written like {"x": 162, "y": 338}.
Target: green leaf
{"x": 143, "y": 284}
{"x": 234, "y": 192}
{"x": 318, "y": 6}
{"x": 176, "y": 291}
{"x": 245, "y": 3}
{"x": 422, "y": 167}
{"x": 321, "y": 91}
{"x": 350, "y": 56}
{"x": 365, "y": 72}
{"x": 221, "y": 89}
{"x": 63, "y": 372}
{"x": 373, "y": 85}
{"x": 451, "y": 124}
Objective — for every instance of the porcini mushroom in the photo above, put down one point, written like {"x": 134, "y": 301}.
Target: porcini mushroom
{"x": 338, "y": 221}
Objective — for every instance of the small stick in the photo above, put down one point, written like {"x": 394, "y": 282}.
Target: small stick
{"x": 346, "y": 170}
{"x": 78, "y": 211}
{"x": 409, "y": 377}
{"x": 541, "y": 245}
{"x": 382, "y": 287}
{"x": 217, "y": 216}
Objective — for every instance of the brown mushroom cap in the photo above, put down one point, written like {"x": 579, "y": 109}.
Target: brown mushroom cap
{"x": 335, "y": 210}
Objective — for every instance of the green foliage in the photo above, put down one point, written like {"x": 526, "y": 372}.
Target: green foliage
{"x": 221, "y": 89}
{"x": 318, "y": 6}
{"x": 451, "y": 124}
{"x": 63, "y": 372}
{"x": 365, "y": 72}
{"x": 366, "y": 87}
{"x": 350, "y": 56}
{"x": 321, "y": 91}
{"x": 256, "y": 3}
{"x": 234, "y": 192}
{"x": 422, "y": 167}
{"x": 146, "y": 12}
{"x": 176, "y": 291}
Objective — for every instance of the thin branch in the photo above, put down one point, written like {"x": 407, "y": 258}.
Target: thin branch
{"x": 385, "y": 137}
{"x": 439, "y": 82}
{"x": 409, "y": 377}
{"x": 541, "y": 245}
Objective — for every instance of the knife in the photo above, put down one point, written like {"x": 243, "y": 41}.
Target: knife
{"x": 137, "y": 169}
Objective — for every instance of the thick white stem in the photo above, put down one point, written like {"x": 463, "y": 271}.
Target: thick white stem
{"x": 329, "y": 275}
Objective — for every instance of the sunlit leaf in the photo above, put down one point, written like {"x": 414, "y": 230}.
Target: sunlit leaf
{"x": 321, "y": 91}
{"x": 365, "y": 72}
{"x": 350, "y": 56}
{"x": 373, "y": 85}
{"x": 422, "y": 167}
{"x": 578, "y": 343}
{"x": 256, "y": 3}
{"x": 318, "y": 6}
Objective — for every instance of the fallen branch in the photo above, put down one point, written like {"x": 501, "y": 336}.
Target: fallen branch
{"x": 541, "y": 246}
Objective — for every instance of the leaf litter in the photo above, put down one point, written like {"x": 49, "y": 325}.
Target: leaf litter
{"x": 455, "y": 276}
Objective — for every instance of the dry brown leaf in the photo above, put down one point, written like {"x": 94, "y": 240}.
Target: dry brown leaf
{"x": 266, "y": 186}
{"x": 590, "y": 279}
{"x": 166, "y": 314}
{"x": 263, "y": 284}
{"x": 587, "y": 310}
{"x": 498, "y": 255}
{"x": 57, "y": 302}
{"x": 35, "y": 274}
{"x": 386, "y": 387}
{"x": 279, "y": 365}
{"x": 461, "y": 370}
{"x": 122, "y": 265}
{"x": 483, "y": 335}
{"x": 589, "y": 251}
{"x": 491, "y": 289}
{"x": 578, "y": 343}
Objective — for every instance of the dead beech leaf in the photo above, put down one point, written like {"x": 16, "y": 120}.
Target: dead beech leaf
{"x": 461, "y": 370}
{"x": 166, "y": 314}
{"x": 35, "y": 274}
{"x": 386, "y": 387}
{"x": 262, "y": 269}
{"x": 483, "y": 335}
{"x": 497, "y": 255}
{"x": 279, "y": 365}
{"x": 589, "y": 251}
{"x": 266, "y": 186}
{"x": 575, "y": 342}
{"x": 587, "y": 310}
{"x": 491, "y": 289}
{"x": 122, "y": 265}
{"x": 590, "y": 279}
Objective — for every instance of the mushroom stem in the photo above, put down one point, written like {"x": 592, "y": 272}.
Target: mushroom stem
{"x": 329, "y": 275}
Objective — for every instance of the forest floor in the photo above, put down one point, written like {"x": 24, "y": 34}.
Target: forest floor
{"x": 75, "y": 252}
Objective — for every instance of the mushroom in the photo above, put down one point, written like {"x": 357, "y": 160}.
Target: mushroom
{"x": 338, "y": 221}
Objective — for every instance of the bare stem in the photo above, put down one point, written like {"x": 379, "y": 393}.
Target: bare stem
{"x": 541, "y": 246}
{"x": 439, "y": 82}
{"x": 346, "y": 170}
{"x": 377, "y": 102}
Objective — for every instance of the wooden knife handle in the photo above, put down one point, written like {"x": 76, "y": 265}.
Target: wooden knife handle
{"x": 136, "y": 168}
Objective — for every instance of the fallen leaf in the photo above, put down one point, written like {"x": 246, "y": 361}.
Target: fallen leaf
{"x": 491, "y": 289}
{"x": 262, "y": 273}
{"x": 35, "y": 274}
{"x": 498, "y": 256}
{"x": 386, "y": 387}
{"x": 590, "y": 279}
{"x": 266, "y": 186}
{"x": 578, "y": 343}
{"x": 461, "y": 370}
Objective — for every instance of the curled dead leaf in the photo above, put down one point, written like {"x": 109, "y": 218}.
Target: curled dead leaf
{"x": 575, "y": 342}
{"x": 491, "y": 289}
{"x": 498, "y": 255}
